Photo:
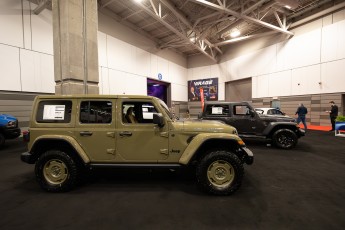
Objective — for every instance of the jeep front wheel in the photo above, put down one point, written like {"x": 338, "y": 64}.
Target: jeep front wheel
{"x": 56, "y": 171}
{"x": 285, "y": 139}
{"x": 220, "y": 173}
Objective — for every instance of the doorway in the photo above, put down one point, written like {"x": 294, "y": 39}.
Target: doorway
{"x": 159, "y": 89}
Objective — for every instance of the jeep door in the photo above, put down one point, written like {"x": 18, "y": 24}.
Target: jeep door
{"x": 138, "y": 139}
{"x": 244, "y": 121}
{"x": 95, "y": 128}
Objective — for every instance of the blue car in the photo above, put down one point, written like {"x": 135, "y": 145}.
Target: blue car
{"x": 8, "y": 128}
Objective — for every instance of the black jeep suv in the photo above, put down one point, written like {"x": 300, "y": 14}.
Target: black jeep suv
{"x": 282, "y": 131}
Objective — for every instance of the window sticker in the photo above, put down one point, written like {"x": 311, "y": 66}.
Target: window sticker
{"x": 217, "y": 110}
{"x": 54, "y": 112}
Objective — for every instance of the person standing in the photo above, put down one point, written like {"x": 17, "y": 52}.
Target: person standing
{"x": 301, "y": 112}
{"x": 333, "y": 113}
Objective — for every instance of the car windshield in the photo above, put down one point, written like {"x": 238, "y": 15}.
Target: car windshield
{"x": 166, "y": 109}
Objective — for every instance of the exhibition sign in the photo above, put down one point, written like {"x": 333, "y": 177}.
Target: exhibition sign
{"x": 203, "y": 90}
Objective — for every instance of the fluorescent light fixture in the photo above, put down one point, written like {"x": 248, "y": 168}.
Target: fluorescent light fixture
{"x": 235, "y": 33}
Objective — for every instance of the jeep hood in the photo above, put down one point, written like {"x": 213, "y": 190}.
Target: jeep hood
{"x": 204, "y": 126}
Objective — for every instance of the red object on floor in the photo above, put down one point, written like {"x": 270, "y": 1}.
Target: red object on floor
{"x": 315, "y": 127}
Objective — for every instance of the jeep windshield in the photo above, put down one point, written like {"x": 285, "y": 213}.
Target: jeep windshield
{"x": 166, "y": 109}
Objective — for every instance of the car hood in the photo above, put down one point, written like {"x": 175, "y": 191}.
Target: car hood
{"x": 204, "y": 126}
{"x": 7, "y": 117}
{"x": 273, "y": 118}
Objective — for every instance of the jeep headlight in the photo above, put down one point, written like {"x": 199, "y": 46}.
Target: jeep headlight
{"x": 235, "y": 132}
{"x": 11, "y": 124}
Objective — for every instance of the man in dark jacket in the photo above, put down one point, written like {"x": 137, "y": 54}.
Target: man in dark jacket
{"x": 301, "y": 112}
{"x": 333, "y": 113}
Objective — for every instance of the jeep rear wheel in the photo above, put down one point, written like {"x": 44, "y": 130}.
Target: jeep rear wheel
{"x": 56, "y": 171}
{"x": 220, "y": 173}
{"x": 285, "y": 139}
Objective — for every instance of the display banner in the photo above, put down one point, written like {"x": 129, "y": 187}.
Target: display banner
{"x": 209, "y": 89}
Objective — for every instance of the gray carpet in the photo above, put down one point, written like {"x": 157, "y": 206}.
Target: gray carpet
{"x": 302, "y": 188}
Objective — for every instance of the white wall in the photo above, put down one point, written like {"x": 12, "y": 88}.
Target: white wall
{"x": 26, "y": 48}
{"x": 27, "y": 62}
{"x": 311, "y": 62}
{"x": 124, "y": 69}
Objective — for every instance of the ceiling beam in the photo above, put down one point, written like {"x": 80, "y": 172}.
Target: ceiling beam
{"x": 41, "y": 6}
{"x": 241, "y": 16}
{"x": 177, "y": 32}
{"x": 239, "y": 39}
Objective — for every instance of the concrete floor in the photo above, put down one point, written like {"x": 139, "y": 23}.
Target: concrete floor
{"x": 302, "y": 188}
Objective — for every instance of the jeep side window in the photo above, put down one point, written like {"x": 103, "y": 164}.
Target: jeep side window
{"x": 95, "y": 112}
{"x": 214, "y": 110}
{"x": 241, "y": 110}
{"x": 54, "y": 111}
{"x": 138, "y": 112}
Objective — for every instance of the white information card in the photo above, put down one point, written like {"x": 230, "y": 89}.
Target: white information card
{"x": 54, "y": 112}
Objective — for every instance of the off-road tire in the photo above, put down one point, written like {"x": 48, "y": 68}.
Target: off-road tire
{"x": 2, "y": 140}
{"x": 285, "y": 139}
{"x": 220, "y": 173}
{"x": 56, "y": 171}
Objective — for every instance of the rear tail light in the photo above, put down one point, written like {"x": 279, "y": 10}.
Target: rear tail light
{"x": 26, "y": 136}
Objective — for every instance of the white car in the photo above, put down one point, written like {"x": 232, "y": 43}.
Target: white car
{"x": 269, "y": 111}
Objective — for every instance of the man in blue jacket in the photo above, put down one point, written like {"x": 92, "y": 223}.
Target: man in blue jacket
{"x": 301, "y": 112}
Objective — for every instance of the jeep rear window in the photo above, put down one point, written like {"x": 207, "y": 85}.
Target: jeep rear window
{"x": 95, "y": 112}
{"x": 217, "y": 110}
{"x": 54, "y": 111}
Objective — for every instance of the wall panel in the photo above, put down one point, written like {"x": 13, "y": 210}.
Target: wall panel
{"x": 121, "y": 55}
{"x": 179, "y": 92}
{"x": 177, "y": 74}
{"x": 142, "y": 62}
{"x": 102, "y": 49}
{"x": 11, "y": 28}
{"x": 42, "y": 31}
{"x": 10, "y": 68}
{"x": 305, "y": 80}
{"x": 332, "y": 76}
{"x": 37, "y": 72}
{"x": 279, "y": 84}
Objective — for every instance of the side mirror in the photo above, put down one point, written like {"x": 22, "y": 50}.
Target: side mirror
{"x": 158, "y": 119}
{"x": 252, "y": 113}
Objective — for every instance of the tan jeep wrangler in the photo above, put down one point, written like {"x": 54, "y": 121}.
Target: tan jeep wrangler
{"x": 69, "y": 134}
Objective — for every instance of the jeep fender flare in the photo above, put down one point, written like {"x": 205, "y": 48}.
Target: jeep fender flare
{"x": 282, "y": 125}
{"x": 71, "y": 141}
{"x": 199, "y": 139}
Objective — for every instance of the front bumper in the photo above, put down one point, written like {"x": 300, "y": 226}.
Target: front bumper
{"x": 248, "y": 156}
{"x": 11, "y": 133}
{"x": 27, "y": 158}
{"x": 300, "y": 132}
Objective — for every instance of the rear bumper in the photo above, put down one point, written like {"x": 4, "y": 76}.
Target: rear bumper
{"x": 27, "y": 158}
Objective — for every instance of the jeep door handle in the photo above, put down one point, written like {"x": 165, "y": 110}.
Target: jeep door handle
{"x": 85, "y": 133}
{"x": 125, "y": 134}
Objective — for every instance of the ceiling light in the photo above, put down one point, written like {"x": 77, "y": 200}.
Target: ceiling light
{"x": 139, "y": 1}
{"x": 288, "y": 7}
{"x": 235, "y": 33}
